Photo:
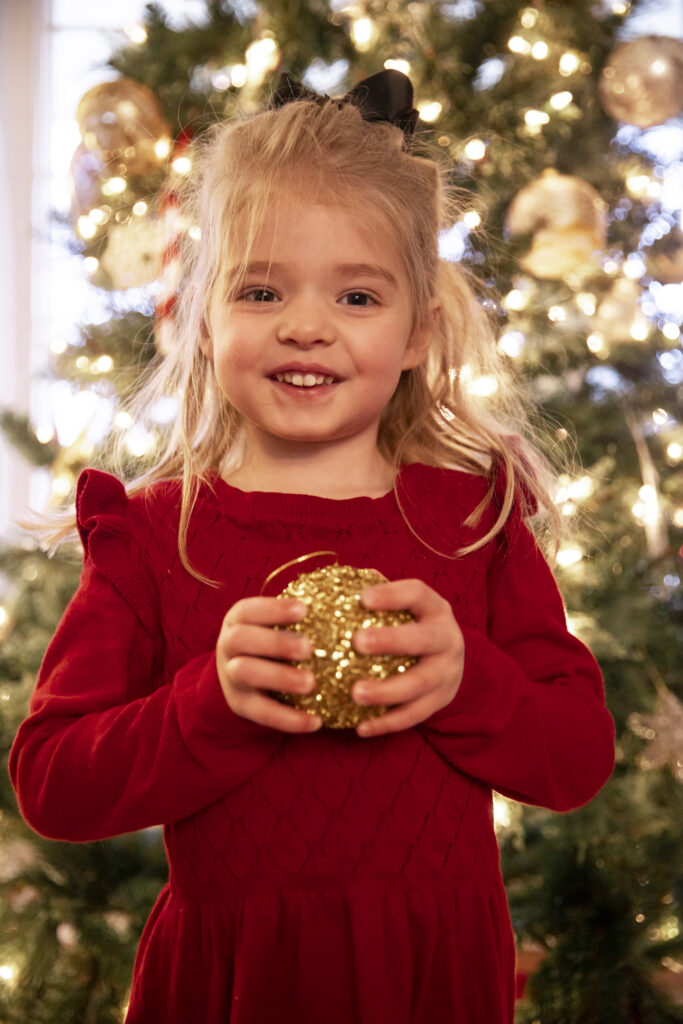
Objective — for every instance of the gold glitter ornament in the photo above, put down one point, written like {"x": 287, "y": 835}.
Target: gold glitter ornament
{"x": 333, "y": 594}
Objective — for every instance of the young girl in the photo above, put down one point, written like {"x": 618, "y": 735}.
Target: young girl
{"x": 318, "y": 876}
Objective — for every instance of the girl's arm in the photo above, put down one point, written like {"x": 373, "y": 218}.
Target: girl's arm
{"x": 106, "y": 749}
{"x": 529, "y": 717}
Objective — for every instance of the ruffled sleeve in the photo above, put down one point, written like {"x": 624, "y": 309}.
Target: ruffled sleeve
{"x": 110, "y": 745}
{"x": 113, "y": 541}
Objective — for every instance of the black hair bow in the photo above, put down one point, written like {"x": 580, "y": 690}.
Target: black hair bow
{"x": 386, "y": 96}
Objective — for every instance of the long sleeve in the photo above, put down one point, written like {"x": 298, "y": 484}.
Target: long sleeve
{"x": 110, "y": 745}
{"x": 529, "y": 718}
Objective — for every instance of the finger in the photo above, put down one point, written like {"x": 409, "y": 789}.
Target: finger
{"x": 246, "y": 672}
{"x": 411, "y": 638}
{"x": 413, "y": 595}
{"x": 398, "y": 689}
{"x": 258, "y": 707}
{"x": 264, "y": 642}
{"x": 397, "y": 719}
{"x": 267, "y": 611}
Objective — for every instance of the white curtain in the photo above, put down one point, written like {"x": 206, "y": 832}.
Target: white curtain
{"x": 24, "y": 136}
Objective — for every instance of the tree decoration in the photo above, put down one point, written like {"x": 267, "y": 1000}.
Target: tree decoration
{"x": 334, "y": 596}
{"x": 565, "y": 217}
{"x": 618, "y": 310}
{"x": 122, "y": 122}
{"x": 663, "y": 730}
{"x": 133, "y": 254}
{"x": 642, "y": 82}
{"x": 85, "y": 180}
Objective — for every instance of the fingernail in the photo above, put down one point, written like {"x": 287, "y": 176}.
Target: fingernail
{"x": 316, "y": 723}
{"x": 299, "y": 609}
{"x": 360, "y": 694}
{"x": 308, "y": 682}
{"x": 361, "y": 642}
{"x": 363, "y": 729}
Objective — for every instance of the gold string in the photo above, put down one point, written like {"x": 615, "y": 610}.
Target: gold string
{"x": 294, "y": 561}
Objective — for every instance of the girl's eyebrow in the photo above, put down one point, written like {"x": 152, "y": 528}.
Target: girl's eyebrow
{"x": 343, "y": 269}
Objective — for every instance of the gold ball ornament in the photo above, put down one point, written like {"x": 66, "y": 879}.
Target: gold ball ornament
{"x": 123, "y": 123}
{"x": 642, "y": 81}
{"x": 333, "y": 594}
{"x": 565, "y": 217}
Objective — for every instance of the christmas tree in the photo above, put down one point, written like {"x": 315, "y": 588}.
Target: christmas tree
{"x": 549, "y": 124}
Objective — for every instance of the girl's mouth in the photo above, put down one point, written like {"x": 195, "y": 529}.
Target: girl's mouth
{"x": 303, "y": 380}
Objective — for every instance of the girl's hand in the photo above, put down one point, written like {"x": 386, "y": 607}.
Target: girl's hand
{"x": 248, "y": 659}
{"x": 435, "y": 638}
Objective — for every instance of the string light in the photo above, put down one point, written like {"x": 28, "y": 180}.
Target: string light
{"x": 569, "y": 63}
{"x": 586, "y": 302}
{"x": 398, "y": 65}
{"x": 529, "y": 17}
{"x": 363, "y": 32}
{"x": 45, "y": 433}
{"x": 162, "y": 147}
{"x": 123, "y": 420}
{"x": 677, "y": 517}
{"x": 515, "y": 300}
{"x": 4, "y": 619}
{"x": 114, "y": 186}
{"x": 262, "y": 56}
{"x": 61, "y": 485}
{"x": 483, "y": 387}
{"x": 674, "y": 452}
{"x": 140, "y": 442}
{"x": 238, "y": 76}
{"x": 471, "y": 219}
{"x": 430, "y": 111}
{"x": 86, "y": 228}
{"x": 610, "y": 267}
{"x": 98, "y": 216}
{"x": 671, "y": 331}
{"x": 82, "y": 363}
{"x": 560, "y": 100}
{"x": 475, "y": 149}
{"x": 634, "y": 268}
{"x": 136, "y": 33}
{"x": 557, "y": 314}
{"x": 182, "y": 165}
{"x": 536, "y": 118}
{"x": 646, "y": 510}
{"x": 595, "y": 343}
{"x": 102, "y": 365}
{"x": 90, "y": 264}
{"x": 640, "y": 329}
{"x": 195, "y": 232}
{"x": 567, "y": 557}
{"x": 518, "y": 44}
{"x": 621, "y": 7}
{"x": 540, "y": 50}
{"x": 660, "y": 416}
{"x": 140, "y": 208}
{"x": 511, "y": 343}
{"x": 58, "y": 346}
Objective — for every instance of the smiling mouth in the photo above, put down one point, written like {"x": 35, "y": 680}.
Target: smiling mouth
{"x": 303, "y": 380}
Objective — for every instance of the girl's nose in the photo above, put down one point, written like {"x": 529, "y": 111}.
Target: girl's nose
{"x": 305, "y": 322}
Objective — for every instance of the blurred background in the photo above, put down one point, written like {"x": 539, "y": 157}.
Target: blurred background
{"x": 562, "y": 125}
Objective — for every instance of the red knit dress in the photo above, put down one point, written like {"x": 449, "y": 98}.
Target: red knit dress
{"x": 323, "y": 878}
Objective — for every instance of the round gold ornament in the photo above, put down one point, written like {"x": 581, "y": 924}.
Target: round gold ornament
{"x": 642, "y": 81}
{"x": 122, "y": 122}
{"x": 333, "y": 594}
{"x": 565, "y": 217}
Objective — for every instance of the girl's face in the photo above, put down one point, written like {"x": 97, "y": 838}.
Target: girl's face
{"x": 311, "y": 346}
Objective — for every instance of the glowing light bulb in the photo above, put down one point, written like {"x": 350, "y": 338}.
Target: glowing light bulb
{"x": 595, "y": 343}
{"x": 660, "y": 416}
{"x": 98, "y": 216}
{"x": 586, "y": 303}
{"x": 638, "y": 184}
{"x": 114, "y": 186}
{"x": 58, "y": 346}
{"x": 195, "y": 232}
{"x": 86, "y": 228}
{"x": 483, "y": 387}
{"x": 610, "y": 267}
{"x": 82, "y": 363}
{"x": 90, "y": 264}
{"x": 238, "y": 75}
{"x": 182, "y": 165}
{"x": 515, "y": 300}
{"x": 621, "y": 7}
{"x": 640, "y": 328}
{"x": 540, "y": 50}
{"x": 430, "y": 111}
{"x": 45, "y": 433}
{"x": 140, "y": 208}
{"x": 123, "y": 420}
{"x": 136, "y": 33}
{"x": 671, "y": 331}
{"x": 569, "y": 556}
{"x": 518, "y": 44}
{"x": 529, "y": 17}
{"x": 471, "y": 219}
{"x": 674, "y": 451}
{"x": 536, "y": 118}
{"x": 560, "y": 100}
{"x": 569, "y": 63}
{"x": 398, "y": 65}
{"x": 61, "y": 485}
{"x": 103, "y": 365}
{"x": 4, "y": 618}
{"x": 502, "y": 818}
{"x": 475, "y": 149}
{"x": 634, "y": 267}
{"x": 511, "y": 343}
{"x": 262, "y": 56}
{"x": 140, "y": 442}
{"x": 677, "y": 517}
{"x": 220, "y": 81}
{"x": 162, "y": 147}
{"x": 557, "y": 314}
{"x": 363, "y": 33}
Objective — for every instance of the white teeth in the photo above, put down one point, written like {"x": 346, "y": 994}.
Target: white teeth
{"x": 303, "y": 380}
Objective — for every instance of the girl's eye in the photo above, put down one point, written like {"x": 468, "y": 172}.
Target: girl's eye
{"x": 358, "y": 299}
{"x": 260, "y": 295}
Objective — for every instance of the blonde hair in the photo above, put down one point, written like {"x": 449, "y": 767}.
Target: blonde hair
{"x": 329, "y": 152}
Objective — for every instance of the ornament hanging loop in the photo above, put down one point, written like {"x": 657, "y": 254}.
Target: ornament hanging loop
{"x": 296, "y": 561}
